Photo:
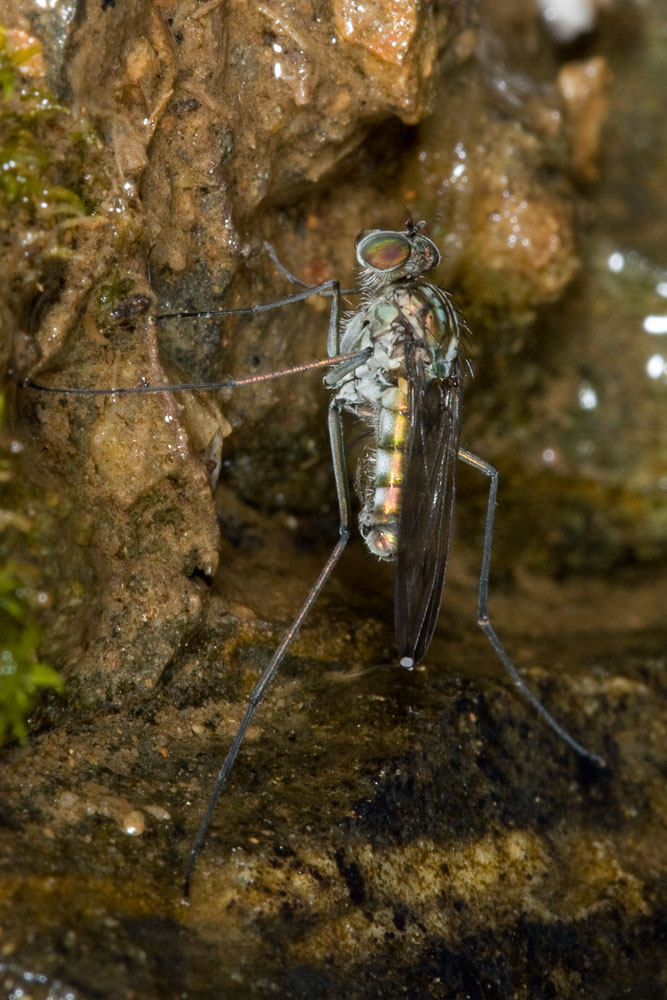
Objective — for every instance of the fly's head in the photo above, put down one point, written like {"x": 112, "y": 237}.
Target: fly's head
{"x": 385, "y": 256}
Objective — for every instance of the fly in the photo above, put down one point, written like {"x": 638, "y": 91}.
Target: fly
{"x": 397, "y": 364}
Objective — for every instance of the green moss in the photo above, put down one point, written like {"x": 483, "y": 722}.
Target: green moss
{"x": 10, "y": 60}
{"x": 51, "y": 175}
{"x": 28, "y": 167}
{"x": 22, "y": 674}
{"x": 111, "y": 294}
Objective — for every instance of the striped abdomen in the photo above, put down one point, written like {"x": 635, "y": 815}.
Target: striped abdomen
{"x": 382, "y": 507}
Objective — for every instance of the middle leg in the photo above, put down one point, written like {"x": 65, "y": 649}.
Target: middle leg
{"x": 270, "y": 671}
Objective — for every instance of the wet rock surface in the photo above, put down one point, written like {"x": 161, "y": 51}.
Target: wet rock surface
{"x": 385, "y": 833}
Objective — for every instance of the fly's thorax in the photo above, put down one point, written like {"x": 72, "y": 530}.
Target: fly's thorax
{"x": 379, "y": 313}
{"x": 417, "y": 312}
{"x": 376, "y": 327}
{"x": 432, "y": 321}
{"x": 383, "y": 474}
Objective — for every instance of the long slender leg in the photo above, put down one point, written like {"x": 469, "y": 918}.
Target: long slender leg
{"x": 333, "y": 356}
{"x": 355, "y": 358}
{"x": 292, "y": 277}
{"x": 260, "y": 689}
{"x": 326, "y": 287}
{"x": 484, "y": 620}
{"x": 281, "y": 267}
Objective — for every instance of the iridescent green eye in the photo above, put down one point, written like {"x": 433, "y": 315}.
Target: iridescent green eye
{"x": 383, "y": 251}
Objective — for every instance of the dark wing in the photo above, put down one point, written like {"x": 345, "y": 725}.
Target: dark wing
{"x": 427, "y": 505}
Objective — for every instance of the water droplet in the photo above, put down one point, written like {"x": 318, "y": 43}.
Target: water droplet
{"x": 134, "y": 823}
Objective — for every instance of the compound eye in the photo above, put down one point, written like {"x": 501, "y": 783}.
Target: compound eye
{"x": 383, "y": 251}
